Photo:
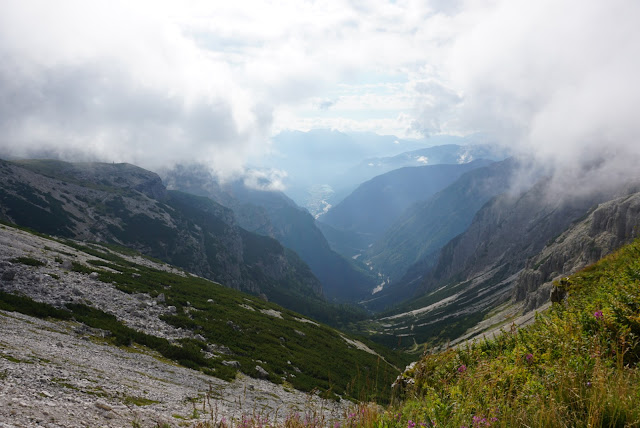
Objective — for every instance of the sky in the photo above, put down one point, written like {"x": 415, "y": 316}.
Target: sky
{"x": 162, "y": 82}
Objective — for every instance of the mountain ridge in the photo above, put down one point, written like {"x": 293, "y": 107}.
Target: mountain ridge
{"x": 194, "y": 233}
{"x": 377, "y": 203}
{"x": 273, "y": 214}
{"x": 428, "y": 225}
{"x": 473, "y": 282}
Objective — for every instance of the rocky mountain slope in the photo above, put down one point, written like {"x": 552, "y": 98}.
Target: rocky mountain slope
{"x": 187, "y": 349}
{"x": 476, "y": 272}
{"x": 273, "y": 214}
{"x": 607, "y": 227}
{"x": 457, "y": 153}
{"x": 378, "y": 203}
{"x": 126, "y": 205}
{"x": 428, "y": 225}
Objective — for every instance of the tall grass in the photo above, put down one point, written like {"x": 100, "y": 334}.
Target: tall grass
{"x": 576, "y": 366}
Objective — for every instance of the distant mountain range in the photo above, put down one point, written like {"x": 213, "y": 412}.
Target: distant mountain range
{"x": 458, "y": 153}
{"x": 324, "y": 166}
{"x": 376, "y": 204}
{"x": 413, "y": 242}
{"x": 445, "y": 251}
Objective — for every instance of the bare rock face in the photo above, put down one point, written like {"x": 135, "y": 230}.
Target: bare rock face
{"x": 8, "y": 271}
{"x": 504, "y": 233}
{"x": 609, "y": 226}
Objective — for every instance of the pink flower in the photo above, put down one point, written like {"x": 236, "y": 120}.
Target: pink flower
{"x": 462, "y": 369}
{"x": 598, "y": 314}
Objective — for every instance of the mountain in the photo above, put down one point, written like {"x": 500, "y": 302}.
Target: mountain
{"x": 427, "y": 226}
{"x": 100, "y": 335}
{"x": 376, "y": 204}
{"x": 459, "y": 153}
{"x": 129, "y": 206}
{"x": 607, "y": 227}
{"x": 273, "y": 214}
{"x": 476, "y": 272}
{"x": 314, "y": 159}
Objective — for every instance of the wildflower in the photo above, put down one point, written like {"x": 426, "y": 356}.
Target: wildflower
{"x": 411, "y": 424}
{"x": 529, "y": 357}
{"x": 598, "y": 314}
{"x": 462, "y": 369}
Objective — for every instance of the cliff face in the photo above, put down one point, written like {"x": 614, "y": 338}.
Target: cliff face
{"x": 606, "y": 228}
{"x": 505, "y": 233}
{"x": 474, "y": 279}
{"x": 429, "y": 225}
{"x": 273, "y": 214}
{"x": 126, "y": 205}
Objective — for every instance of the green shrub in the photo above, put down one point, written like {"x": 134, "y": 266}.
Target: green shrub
{"x": 29, "y": 261}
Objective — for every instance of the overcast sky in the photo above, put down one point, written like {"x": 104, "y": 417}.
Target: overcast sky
{"x": 153, "y": 82}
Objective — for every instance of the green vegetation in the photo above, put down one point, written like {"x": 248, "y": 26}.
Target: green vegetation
{"x": 37, "y": 210}
{"x": 138, "y": 401}
{"x": 29, "y": 261}
{"x": 250, "y": 334}
{"x": 577, "y": 365}
{"x": 25, "y": 305}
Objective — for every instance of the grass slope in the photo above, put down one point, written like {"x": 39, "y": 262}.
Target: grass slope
{"x": 577, "y": 365}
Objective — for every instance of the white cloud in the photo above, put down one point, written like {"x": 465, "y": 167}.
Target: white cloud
{"x": 269, "y": 180}
{"x": 162, "y": 82}
{"x": 557, "y": 78}
{"x": 157, "y": 82}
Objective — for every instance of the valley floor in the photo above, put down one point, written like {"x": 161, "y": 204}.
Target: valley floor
{"x": 55, "y": 374}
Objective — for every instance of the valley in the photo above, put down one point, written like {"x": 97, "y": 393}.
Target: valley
{"x": 319, "y": 214}
{"x": 235, "y": 285}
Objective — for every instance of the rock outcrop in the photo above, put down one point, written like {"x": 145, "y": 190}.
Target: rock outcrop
{"x": 606, "y": 228}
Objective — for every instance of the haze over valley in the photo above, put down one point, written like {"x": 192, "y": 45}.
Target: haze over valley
{"x": 263, "y": 212}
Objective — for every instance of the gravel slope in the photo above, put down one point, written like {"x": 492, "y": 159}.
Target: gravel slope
{"x": 64, "y": 374}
